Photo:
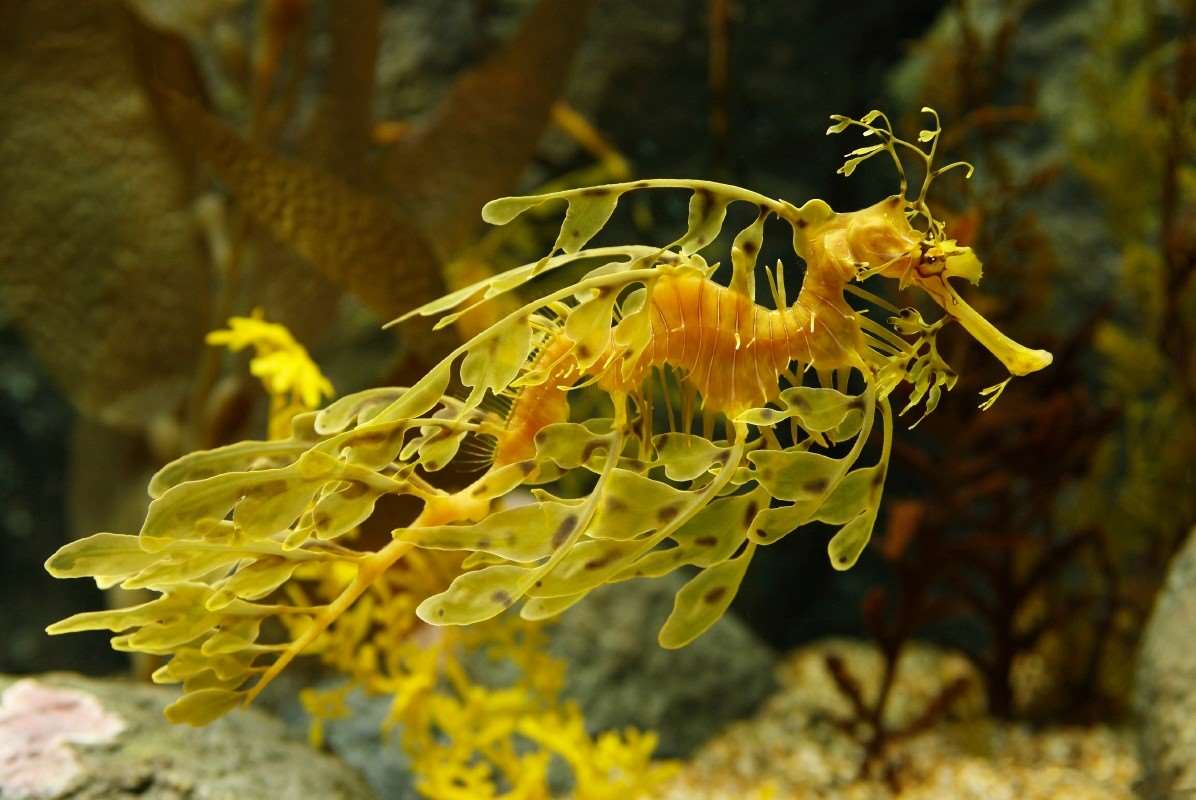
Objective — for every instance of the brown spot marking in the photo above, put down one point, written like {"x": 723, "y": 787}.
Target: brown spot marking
{"x": 502, "y": 597}
{"x": 641, "y": 185}
{"x": 596, "y": 191}
{"x": 668, "y": 513}
{"x": 354, "y": 490}
{"x": 590, "y": 449}
{"x": 598, "y": 563}
{"x": 879, "y": 478}
{"x": 563, "y": 530}
{"x": 440, "y": 612}
{"x": 706, "y": 541}
{"x": 584, "y": 351}
{"x": 723, "y": 457}
{"x": 856, "y": 404}
{"x": 715, "y": 594}
{"x": 801, "y": 222}
{"x": 484, "y": 543}
{"x": 478, "y": 490}
{"x": 816, "y": 485}
{"x": 749, "y": 247}
{"x": 321, "y": 519}
{"x": 526, "y": 467}
{"x": 269, "y": 489}
{"x": 368, "y": 439}
{"x": 615, "y": 506}
{"x": 750, "y": 513}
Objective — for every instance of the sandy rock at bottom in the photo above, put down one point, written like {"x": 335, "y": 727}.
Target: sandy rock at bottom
{"x": 798, "y": 748}
{"x": 64, "y": 735}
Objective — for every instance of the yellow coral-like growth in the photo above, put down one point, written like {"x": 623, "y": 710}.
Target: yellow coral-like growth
{"x": 288, "y": 373}
{"x": 467, "y": 739}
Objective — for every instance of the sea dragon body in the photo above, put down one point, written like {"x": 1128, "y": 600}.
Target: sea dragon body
{"x": 230, "y": 526}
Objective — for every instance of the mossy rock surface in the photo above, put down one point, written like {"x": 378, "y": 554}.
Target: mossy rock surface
{"x": 621, "y": 676}
{"x": 63, "y": 735}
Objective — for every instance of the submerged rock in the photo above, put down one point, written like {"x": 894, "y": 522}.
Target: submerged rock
{"x": 1165, "y": 686}
{"x": 621, "y": 676}
{"x": 802, "y": 746}
{"x": 64, "y": 735}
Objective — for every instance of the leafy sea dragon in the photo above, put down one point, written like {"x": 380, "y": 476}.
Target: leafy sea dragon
{"x": 632, "y": 492}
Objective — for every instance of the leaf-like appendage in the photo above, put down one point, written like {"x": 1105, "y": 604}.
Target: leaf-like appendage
{"x": 586, "y": 566}
{"x": 523, "y": 534}
{"x": 686, "y": 456}
{"x": 182, "y": 599}
{"x": 858, "y": 491}
{"x": 845, "y": 546}
{"x": 817, "y": 410}
{"x": 264, "y": 503}
{"x": 634, "y": 504}
{"x": 181, "y": 565}
{"x": 571, "y": 444}
{"x": 100, "y": 555}
{"x": 588, "y": 212}
{"x": 589, "y": 326}
{"x": 203, "y": 706}
{"x": 707, "y": 211}
{"x": 744, "y": 252}
{"x": 795, "y": 474}
{"x": 715, "y": 532}
{"x": 702, "y": 601}
{"x": 632, "y": 336}
{"x": 373, "y": 445}
{"x": 496, "y": 285}
{"x": 238, "y": 457}
{"x": 539, "y": 608}
{"x": 710, "y": 537}
{"x": 494, "y": 363}
{"x": 341, "y": 509}
{"x": 477, "y": 596}
{"x": 773, "y": 524}
{"x": 252, "y": 582}
{"x": 425, "y": 394}
{"x": 357, "y": 407}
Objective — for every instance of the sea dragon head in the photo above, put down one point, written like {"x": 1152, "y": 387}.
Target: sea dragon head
{"x": 900, "y": 238}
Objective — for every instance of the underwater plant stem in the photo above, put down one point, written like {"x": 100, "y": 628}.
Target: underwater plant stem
{"x": 367, "y": 573}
